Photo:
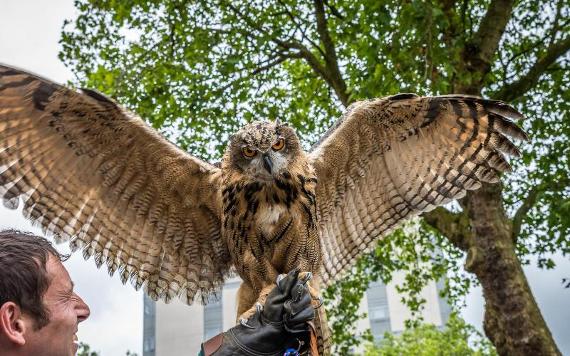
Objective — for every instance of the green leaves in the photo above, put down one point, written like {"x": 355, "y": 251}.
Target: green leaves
{"x": 85, "y": 350}
{"x": 455, "y": 338}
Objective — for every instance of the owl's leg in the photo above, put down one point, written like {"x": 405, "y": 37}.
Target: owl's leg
{"x": 314, "y": 285}
{"x": 260, "y": 301}
{"x": 262, "y": 282}
{"x": 246, "y": 297}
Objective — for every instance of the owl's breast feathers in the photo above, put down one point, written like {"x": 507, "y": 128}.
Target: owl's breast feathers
{"x": 274, "y": 222}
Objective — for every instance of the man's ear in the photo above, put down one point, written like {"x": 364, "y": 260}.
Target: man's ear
{"x": 12, "y": 323}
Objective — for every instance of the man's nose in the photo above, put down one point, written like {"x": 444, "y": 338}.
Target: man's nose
{"x": 83, "y": 310}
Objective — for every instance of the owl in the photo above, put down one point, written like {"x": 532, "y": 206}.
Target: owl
{"x": 92, "y": 173}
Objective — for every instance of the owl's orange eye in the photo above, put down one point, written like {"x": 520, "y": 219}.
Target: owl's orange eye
{"x": 248, "y": 152}
{"x": 278, "y": 145}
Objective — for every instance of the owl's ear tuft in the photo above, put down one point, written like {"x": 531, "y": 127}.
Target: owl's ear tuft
{"x": 232, "y": 138}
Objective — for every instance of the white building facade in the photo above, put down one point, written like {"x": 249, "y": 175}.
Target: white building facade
{"x": 178, "y": 329}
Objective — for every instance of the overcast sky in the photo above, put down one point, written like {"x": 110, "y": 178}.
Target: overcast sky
{"x": 29, "y": 35}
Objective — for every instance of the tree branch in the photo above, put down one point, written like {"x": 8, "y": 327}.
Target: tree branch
{"x": 518, "y": 88}
{"x": 262, "y": 67}
{"x": 556, "y": 23}
{"x": 331, "y": 60}
{"x": 308, "y": 56}
{"x": 478, "y": 53}
{"x": 492, "y": 27}
{"x": 324, "y": 33}
{"x": 530, "y": 201}
{"x": 334, "y": 10}
{"x": 303, "y": 51}
{"x": 330, "y": 72}
{"x": 523, "y": 210}
{"x": 454, "y": 226}
{"x": 301, "y": 30}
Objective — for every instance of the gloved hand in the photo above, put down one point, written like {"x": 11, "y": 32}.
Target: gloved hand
{"x": 279, "y": 325}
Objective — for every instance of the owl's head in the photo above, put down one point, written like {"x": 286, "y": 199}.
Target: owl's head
{"x": 262, "y": 150}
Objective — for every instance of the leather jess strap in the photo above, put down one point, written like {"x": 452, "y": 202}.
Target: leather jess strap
{"x": 213, "y": 344}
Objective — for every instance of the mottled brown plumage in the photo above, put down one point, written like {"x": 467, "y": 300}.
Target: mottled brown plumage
{"x": 90, "y": 172}
{"x": 269, "y": 219}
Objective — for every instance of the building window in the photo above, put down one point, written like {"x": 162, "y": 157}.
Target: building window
{"x": 213, "y": 318}
{"x": 378, "y": 312}
{"x": 149, "y": 325}
{"x": 149, "y": 345}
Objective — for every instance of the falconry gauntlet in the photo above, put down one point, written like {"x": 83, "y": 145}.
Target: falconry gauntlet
{"x": 278, "y": 326}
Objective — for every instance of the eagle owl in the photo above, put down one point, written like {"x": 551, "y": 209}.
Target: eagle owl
{"x": 94, "y": 174}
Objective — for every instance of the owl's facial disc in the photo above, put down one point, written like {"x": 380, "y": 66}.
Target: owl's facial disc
{"x": 265, "y": 165}
{"x": 264, "y": 149}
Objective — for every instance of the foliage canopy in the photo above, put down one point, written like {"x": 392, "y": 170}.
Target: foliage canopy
{"x": 456, "y": 338}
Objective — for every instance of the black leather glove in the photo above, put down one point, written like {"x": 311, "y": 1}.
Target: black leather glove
{"x": 280, "y": 325}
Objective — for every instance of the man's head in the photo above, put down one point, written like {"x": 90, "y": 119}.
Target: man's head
{"x": 39, "y": 311}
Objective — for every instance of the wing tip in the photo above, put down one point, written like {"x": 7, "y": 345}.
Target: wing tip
{"x": 403, "y": 96}
{"x": 94, "y": 94}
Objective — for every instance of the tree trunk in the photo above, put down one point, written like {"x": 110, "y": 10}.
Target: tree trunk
{"x": 512, "y": 321}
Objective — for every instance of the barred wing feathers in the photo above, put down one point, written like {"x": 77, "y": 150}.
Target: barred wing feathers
{"x": 389, "y": 159}
{"x": 92, "y": 173}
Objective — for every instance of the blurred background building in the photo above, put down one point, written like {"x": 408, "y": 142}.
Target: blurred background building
{"x": 179, "y": 329}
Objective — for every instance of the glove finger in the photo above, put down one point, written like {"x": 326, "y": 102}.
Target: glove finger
{"x": 300, "y": 329}
{"x": 284, "y": 286}
{"x": 288, "y": 282}
{"x": 298, "y": 310}
{"x": 278, "y": 295}
{"x": 300, "y": 297}
{"x": 301, "y": 317}
{"x": 298, "y": 323}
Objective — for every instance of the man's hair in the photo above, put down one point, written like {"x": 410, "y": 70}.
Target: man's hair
{"x": 23, "y": 274}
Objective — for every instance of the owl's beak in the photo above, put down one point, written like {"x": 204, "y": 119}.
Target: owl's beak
{"x": 267, "y": 164}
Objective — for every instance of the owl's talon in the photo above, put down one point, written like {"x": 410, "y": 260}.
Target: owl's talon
{"x": 280, "y": 278}
{"x": 243, "y": 322}
{"x": 320, "y": 300}
{"x": 258, "y": 307}
{"x": 307, "y": 276}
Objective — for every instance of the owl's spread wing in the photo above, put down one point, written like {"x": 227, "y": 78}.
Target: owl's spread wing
{"x": 388, "y": 159}
{"x": 90, "y": 172}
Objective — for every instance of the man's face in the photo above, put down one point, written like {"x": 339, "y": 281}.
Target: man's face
{"x": 66, "y": 310}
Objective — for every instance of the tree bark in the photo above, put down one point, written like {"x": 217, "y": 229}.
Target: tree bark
{"x": 512, "y": 320}
{"x": 479, "y": 51}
